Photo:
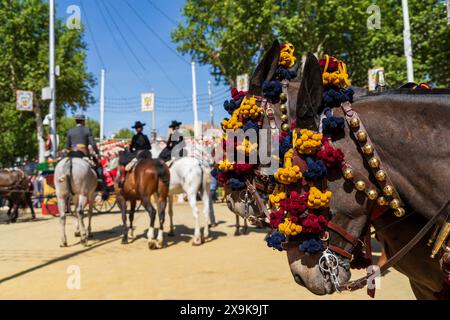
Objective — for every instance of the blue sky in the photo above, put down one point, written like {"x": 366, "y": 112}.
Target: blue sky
{"x": 143, "y": 62}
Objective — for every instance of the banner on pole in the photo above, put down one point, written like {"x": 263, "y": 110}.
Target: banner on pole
{"x": 242, "y": 82}
{"x": 376, "y": 77}
{"x": 147, "y": 102}
{"x": 24, "y": 100}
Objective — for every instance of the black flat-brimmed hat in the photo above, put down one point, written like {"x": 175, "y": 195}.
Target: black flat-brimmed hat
{"x": 138, "y": 124}
{"x": 175, "y": 124}
{"x": 80, "y": 117}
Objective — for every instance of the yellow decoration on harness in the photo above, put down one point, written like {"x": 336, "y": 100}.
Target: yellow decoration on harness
{"x": 233, "y": 123}
{"x": 277, "y": 198}
{"x": 249, "y": 108}
{"x": 287, "y": 58}
{"x": 289, "y": 173}
{"x": 226, "y": 165}
{"x": 289, "y": 228}
{"x": 308, "y": 142}
{"x": 337, "y": 78}
{"x": 247, "y": 147}
{"x": 317, "y": 199}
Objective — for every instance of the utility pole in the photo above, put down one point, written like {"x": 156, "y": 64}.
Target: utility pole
{"x": 153, "y": 135}
{"x": 407, "y": 41}
{"x": 194, "y": 101}
{"x": 52, "y": 82}
{"x": 102, "y": 104}
{"x": 211, "y": 108}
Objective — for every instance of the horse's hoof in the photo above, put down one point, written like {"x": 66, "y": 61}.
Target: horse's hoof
{"x": 245, "y": 231}
{"x": 124, "y": 240}
{"x": 90, "y": 236}
{"x": 197, "y": 241}
{"x": 77, "y": 234}
{"x": 131, "y": 234}
{"x": 171, "y": 234}
{"x": 237, "y": 233}
{"x": 63, "y": 245}
{"x": 159, "y": 244}
{"x": 84, "y": 242}
{"x": 152, "y": 245}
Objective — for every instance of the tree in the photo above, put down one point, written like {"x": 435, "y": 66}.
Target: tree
{"x": 24, "y": 66}
{"x": 66, "y": 123}
{"x": 230, "y": 35}
{"x": 124, "y": 133}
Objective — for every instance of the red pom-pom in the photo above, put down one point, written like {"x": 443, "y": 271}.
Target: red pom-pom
{"x": 333, "y": 64}
{"x": 314, "y": 224}
{"x": 236, "y": 95}
{"x": 331, "y": 157}
{"x": 243, "y": 168}
{"x": 295, "y": 204}
{"x": 276, "y": 218}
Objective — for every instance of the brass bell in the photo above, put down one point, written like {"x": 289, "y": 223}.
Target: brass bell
{"x": 283, "y": 97}
{"x": 399, "y": 212}
{"x": 285, "y": 127}
{"x": 283, "y": 108}
{"x": 368, "y": 149}
{"x": 388, "y": 190}
{"x": 372, "y": 194}
{"x": 361, "y": 136}
{"x": 380, "y": 175}
{"x": 382, "y": 201}
{"x": 360, "y": 185}
{"x": 284, "y": 118}
{"x": 348, "y": 173}
{"x": 395, "y": 204}
{"x": 354, "y": 123}
{"x": 374, "y": 163}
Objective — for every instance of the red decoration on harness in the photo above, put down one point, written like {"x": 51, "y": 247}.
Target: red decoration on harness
{"x": 314, "y": 224}
{"x": 243, "y": 168}
{"x": 295, "y": 204}
{"x": 236, "y": 95}
{"x": 330, "y": 156}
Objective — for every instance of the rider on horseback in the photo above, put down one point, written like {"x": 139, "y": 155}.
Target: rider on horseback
{"x": 139, "y": 144}
{"x": 175, "y": 139}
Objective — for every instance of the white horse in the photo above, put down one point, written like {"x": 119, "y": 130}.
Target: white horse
{"x": 74, "y": 178}
{"x": 191, "y": 176}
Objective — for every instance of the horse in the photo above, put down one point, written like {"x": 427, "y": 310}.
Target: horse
{"x": 191, "y": 176}
{"x": 398, "y": 141}
{"x": 75, "y": 179}
{"x": 149, "y": 177}
{"x": 15, "y": 187}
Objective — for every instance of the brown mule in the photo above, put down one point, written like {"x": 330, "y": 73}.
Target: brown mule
{"x": 150, "y": 177}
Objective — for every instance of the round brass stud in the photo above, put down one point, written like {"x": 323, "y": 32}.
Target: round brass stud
{"x": 372, "y": 194}
{"x": 374, "y": 163}
{"x": 354, "y": 123}
{"x": 360, "y": 185}
{"x": 283, "y": 108}
{"x": 380, "y": 175}
{"x": 361, "y": 136}
{"x": 348, "y": 173}
{"x": 399, "y": 212}
{"x": 285, "y": 127}
{"x": 382, "y": 201}
{"x": 395, "y": 204}
{"x": 388, "y": 190}
{"x": 368, "y": 149}
{"x": 283, "y": 97}
{"x": 284, "y": 118}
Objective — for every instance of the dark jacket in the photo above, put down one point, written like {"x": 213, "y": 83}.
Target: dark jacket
{"x": 140, "y": 142}
{"x": 80, "y": 135}
{"x": 174, "y": 139}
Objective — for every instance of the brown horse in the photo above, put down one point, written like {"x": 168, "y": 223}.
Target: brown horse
{"x": 410, "y": 132}
{"x": 149, "y": 177}
{"x": 15, "y": 187}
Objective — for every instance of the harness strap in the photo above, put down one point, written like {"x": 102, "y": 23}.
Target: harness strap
{"x": 343, "y": 233}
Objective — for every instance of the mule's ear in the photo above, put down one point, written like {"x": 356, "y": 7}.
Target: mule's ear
{"x": 309, "y": 97}
{"x": 265, "y": 69}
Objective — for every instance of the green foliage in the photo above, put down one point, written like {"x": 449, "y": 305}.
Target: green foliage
{"x": 230, "y": 35}
{"x": 66, "y": 123}
{"x": 124, "y": 133}
{"x": 24, "y": 66}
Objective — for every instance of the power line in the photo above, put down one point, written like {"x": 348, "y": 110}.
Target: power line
{"x": 162, "y": 12}
{"x": 149, "y": 53}
{"x": 155, "y": 33}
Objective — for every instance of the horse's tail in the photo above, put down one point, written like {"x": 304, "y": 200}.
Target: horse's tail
{"x": 68, "y": 175}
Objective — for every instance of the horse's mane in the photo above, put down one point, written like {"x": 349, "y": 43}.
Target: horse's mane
{"x": 435, "y": 95}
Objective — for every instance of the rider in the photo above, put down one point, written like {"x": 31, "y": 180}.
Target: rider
{"x": 139, "y": 144}
{"x": 79, "y": 139}
{"x": 175, "y": 139}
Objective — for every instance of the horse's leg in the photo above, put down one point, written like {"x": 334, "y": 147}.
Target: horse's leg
{"x": 171, "y": 229}
{"x": 9, "y": 212}
{"x": 62, "y": 220}
{"x": 90, "y": 211}
{"x": 162, "y": 201}
{"x": 15, "y": 213}
{"x": 245, "y": 229}
{"x": 193, "y": 203}
{"x": 30, "y": 205}
{"x": 131, "y": 217}
{"x": 146, "y": 202}
{"x": 206, "y": 199}
{"x": 82, "y": 200}
{"x": 237, "y": 232}
{"x": 121, "y": 201}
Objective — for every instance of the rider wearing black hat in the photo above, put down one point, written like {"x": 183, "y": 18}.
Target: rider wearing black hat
{"x": 175, "y": 140}
{"x": 139, "y": 141}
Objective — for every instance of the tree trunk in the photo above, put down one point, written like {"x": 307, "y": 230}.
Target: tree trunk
{"x": 39, "y": 130}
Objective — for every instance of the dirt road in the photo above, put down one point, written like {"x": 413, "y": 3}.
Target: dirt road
{"x": 32, "y": 266}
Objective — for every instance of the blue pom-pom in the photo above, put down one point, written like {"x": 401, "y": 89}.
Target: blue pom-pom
{"x": 333, "y": 98}
{"x": 332, "y": 124}
{"x": 275, "y": 240}
{"x": 312, "y": 246}
{"x": 285, "y": 74}
{"x": 235, "y": 184}
{"x": 285, "y": 144}
{"x": 251, "y": 125}
{"x": 316, "y": 169}
{"x": 232, "y": 105}
{"x": 215, "y": 172}
{"x": 272, "y": 90}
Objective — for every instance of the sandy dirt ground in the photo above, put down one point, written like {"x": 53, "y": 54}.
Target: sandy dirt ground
{"x": 32, "y": 266}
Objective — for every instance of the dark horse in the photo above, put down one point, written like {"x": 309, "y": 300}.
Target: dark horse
{"x": 409, "y": 130}
{"x": 149, "y": 177}
{"x": 15, "y": 187}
